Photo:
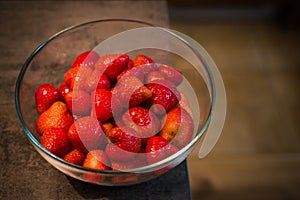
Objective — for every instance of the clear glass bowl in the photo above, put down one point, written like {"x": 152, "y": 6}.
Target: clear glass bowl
{"x": 52, "y": 59}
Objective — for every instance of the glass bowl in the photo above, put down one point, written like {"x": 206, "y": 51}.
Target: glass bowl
{"x": 53, "y": 58}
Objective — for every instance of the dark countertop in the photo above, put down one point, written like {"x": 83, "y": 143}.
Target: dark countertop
{"x": 24, "y": 174}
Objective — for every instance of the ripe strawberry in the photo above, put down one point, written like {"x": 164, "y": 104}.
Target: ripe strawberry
{"x": 130, "y": 63}
{"x": 86, "y": 134}
{"x": 75, "y": 157}
{"x": 102, "y": 105}
{"x": 78, "y": 102}
{"x": 97, "y": 80}
{"x": 158, "y": 149}
{"x": 142, "y": 120}
{"x": 45, "y": 96}
{"x": 76, "y": 78}
{"x": 178, "y": 128}
{"x": 130, "y": 90}
{"x": 57, "y": 116}
{"x": 171, "y": 74}
{"x": 88, "y": 59}
{"x": 97, "y": 159}
{"x": 113, "y": 65}
{"x": 56, "y": 141}
{"x": 146, "y": 63}
{"x": 153, "y": 76}
{"x": 136, "y": 71}
{"x": 116, "y": 153}
{"x": 64, "y": 89}
{"x": 125, "y": 138}
{"x": 165, "y": 96}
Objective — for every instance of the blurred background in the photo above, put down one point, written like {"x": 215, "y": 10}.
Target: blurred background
{"x": 256, "y": 46}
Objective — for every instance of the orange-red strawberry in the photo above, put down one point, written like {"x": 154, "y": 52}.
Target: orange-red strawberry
{"x": 88, "y": 59}
{"x": 144, "y": 62}
{"x": 102, "y": 105}
{"x": 178, "y": 128}
{"x": 57, "y": 116}
{"x": 78, "y": 102}
{"x": 56, "y": 141}
{"x": 165, "y": 96}
{"x": 97, "y": 159}
{"x": 125, "y": 138}
{"x": 171, "y": 74}
{"x": 75, "y": 157}
{"x": 45, "y": 96}
{"x": 142, "y": 120}
{"x": 158, "y": 149}
{"x": 131, "y": 91}
{"x": 71, "y": 74}
{"x": 86, "y": 134}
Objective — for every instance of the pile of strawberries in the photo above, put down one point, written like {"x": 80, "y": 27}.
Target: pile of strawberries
{"x": 113, "y": 112}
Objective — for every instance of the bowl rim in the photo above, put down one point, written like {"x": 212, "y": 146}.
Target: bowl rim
{"x": 147, "y": 168}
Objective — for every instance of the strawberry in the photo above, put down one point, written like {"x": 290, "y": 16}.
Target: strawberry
{"x": 131, "y": 91}
{"x": 116, "y": 153}
{"x": 130, "y": 64}
{"x": 165, "y": 96}
{"x": 136, "y": 71}
{"x": 45, "y": 96}
{"x": 153, "y": 76}
{"x": 57, "y": 116}
{"x": 88, "y": 59}
{"x": 76, "y": 78}
{"x": 113, "y": 65}
{"x": 178, "y": 127}
{"x": 71, "y": 74}
{"x": 146, "y": 63}
{"x": 78, "y": 102}
{"x": 102, "y": 105}
{"x": 97, "y": 80}
{"x": 158, "y": 149}
{"x": 184, "y": 103}
{"x": 125, "y": 138}
{"x": 142, "y": 120}
{"x": 64, "y": 89}
{"x": 86, "y": 134}
{"x": 97, "y": 159}
{"x": 75, "y": 157}
{"x": 56, "y": 141}
{"x": 171, "y": 74}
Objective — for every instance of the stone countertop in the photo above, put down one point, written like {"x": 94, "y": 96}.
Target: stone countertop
{"x": 24, "y": 174}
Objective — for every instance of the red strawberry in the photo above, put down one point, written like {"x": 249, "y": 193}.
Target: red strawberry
{"x": 88, "y": 59}
{"x": 125, "y": 138}
{"x": 102, "y": 105}
{"x": 78, "y": 102}
{"x": 45, "y": 96}
{"x": 113, "y": 65}
{"x": 116, "y": 153}
{"x": 56, "y": 141}
{"x": 97, "y": 159}
{"x": 136, "y": 71}
{"x": 130, "y": 64}
{"x": 131, "y": 91}
{"x": 153, "y": 76}
{"x": 146, "y": 63}
{"x": 142, "y": 120}
{"x": 71, "y": 74}
{"x": 171, "y": 74}
{"x": 158, "y": 149}
{"x": 64, "y": 89}
{"x": 165, "y": 96}
{"x": 116, "y": 67}
{"x": 97, "y": 80}
{"x": 86, "y": 134}
{"x": 75, "y": 157}
{"x": 57, "y": 116}
{"x": 178, "y": 128}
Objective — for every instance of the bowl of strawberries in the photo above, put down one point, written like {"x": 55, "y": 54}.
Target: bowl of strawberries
{"x": 116, "y": 102}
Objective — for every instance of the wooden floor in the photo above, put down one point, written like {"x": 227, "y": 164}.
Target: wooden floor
{"x": 258, "y": 153}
